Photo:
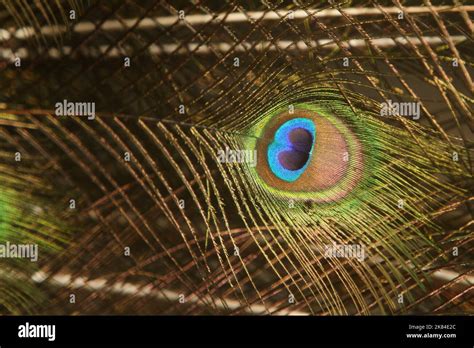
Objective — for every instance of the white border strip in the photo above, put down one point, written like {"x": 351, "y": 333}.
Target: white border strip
{"x": 122, "y": 288}
{"x": 224, "y": 47}
{"x": 100, "y": 284}
{"x": 233, "y": 17}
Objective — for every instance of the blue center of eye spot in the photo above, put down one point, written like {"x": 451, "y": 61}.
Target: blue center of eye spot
{"x": 289, "y": 153}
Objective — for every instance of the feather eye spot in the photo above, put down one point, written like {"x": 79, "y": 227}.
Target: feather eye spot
{"x": 290, "y": 152}
{"x": 305, "y": 153}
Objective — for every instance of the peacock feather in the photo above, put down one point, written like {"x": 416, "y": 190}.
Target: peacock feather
{"x": 237, "y": 157}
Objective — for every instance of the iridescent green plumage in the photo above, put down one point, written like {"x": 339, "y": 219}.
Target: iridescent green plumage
{"x": 31, "y": 233}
